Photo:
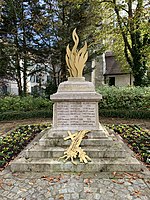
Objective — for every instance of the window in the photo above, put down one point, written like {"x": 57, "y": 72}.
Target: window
{"x": 32, "y": 79}
{"x": 38, "y": 79}
{"x": 111, "y": 81}
{"x": 48, "y": 78}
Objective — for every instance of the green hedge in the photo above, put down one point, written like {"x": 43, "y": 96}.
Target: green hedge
{"x": 135, "y": 114}
{"x": 26, "y": 115}
{"x": 20, "y": 104}
{"x": 126, "y": 102}
{"x": 125, "y": 98}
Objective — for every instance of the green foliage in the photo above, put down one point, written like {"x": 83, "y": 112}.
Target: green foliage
{"x": 26, "y": 115}
{"x": 125, "y": 30}
{"x": 125, "y": 113}
{"x": 130, "y": 98}
{"x": 19, "y": 104}
{"x": 136, "y": 137}
{"x": 15, "y": 141}
{"x": 124, "y": 102}
{"x": 15, "y": 107}
{"x": 51, "y": 88}
{"x": 41, "y": 30}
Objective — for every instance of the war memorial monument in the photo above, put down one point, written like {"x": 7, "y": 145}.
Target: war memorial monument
{"x": 77, "y": 142}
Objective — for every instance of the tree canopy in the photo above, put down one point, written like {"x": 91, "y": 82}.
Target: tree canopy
{"x": 128, "y": 35}
{"x": 37, "y": 32}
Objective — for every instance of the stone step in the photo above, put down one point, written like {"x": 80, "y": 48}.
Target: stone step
{"x": 52, "y": 142}
{"x": 99, "y": 134}
{"x": 128, "y": 164}
{"x": 56, "y": 152}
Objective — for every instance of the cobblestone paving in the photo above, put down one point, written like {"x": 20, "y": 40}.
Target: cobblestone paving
{"x": 72, "y": 187}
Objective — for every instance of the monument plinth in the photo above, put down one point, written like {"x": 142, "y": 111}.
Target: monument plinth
{"x": 76, "y": 105}
{"x": 76, "y": 102}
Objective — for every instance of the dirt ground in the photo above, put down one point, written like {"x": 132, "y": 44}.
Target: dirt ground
{"x": 6, "y": 126}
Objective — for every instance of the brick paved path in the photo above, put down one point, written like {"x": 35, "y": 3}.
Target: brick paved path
{"x": 72, "y": 187}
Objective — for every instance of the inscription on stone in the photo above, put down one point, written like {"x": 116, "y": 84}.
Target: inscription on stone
{"x": 76, "y": 114}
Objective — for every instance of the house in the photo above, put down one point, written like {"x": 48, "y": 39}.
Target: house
{"x": 114, "y": 75}
{"x": 33, "y": 83}
{"x": 106, "y": 70}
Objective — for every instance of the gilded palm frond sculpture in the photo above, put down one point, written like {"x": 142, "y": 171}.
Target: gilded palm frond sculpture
{"x": 74, "y": 150}
{"x": 76, "y": 59}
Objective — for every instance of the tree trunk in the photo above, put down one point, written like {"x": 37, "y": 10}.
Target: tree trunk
{"x": 133, "y": 50}
{"x": 25, "y": 54}
{"x": 54, "y": 75}
{"x": 25, "y": 77}
{"x": 139, "y": 69}
{"x": 63, "y": 66}
{"x": 18, "y": 69}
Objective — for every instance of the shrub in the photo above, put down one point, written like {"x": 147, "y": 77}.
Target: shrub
{"x": 122, "y": 113}
{"x": 126, "y": 102}
{"x": 26, "y": 115}
{"x": 51, "y": 88}
{"x": 125, "y": 98}
{"x": 28, "y": 103}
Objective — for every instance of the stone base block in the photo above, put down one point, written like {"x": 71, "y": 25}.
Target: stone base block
{"x": 76, "y": 106}
{"x": 108, "y": 154}
{"x": 92, "y": 152}
{"x": 97, "y": 165}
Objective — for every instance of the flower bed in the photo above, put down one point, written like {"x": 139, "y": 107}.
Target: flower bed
{"x": 14, "y": 142}
{"x": 136, "y": 138}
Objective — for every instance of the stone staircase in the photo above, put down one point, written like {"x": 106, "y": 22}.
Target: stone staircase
{"x": 108, "y": 154}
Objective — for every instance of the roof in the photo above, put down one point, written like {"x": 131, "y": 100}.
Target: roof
{"x": 112, "y": 66}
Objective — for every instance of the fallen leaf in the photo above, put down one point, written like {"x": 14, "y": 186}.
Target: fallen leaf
{"x": 137, "y": 193}
{"x": 80, "y": 173}
{"x": 22, "y": 189}
{"x": 120, "y": 182}
{"x": 31, "y": 183}
{"x": 52, "y": 179}
{"x": 61, "y": 196}
{"x": 15, "y": 174}
{"x": 58, "y": 178}
{"x": 128, "y": 174}
{"x": 1, "y": 183}
{"x": 117, "y": 182}
{"x": 114, "y": 173}
{"x": 88, "y": 191}
{"x": 114, "y": 181}
{"x": 88, "y": 181}
{"x": 9, "y": 184}
{"x": 130, "y": 180}
{"x": 147, "y": 181}
{"x": 43, "y": 176}
{"x": 48, "y": 178}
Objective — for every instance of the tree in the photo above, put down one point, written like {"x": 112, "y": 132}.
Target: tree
{"x": 37, "y": 32}
{"x": 62, "y": 17}
{"x": 132, "y": 24}
{"x": 17, "y": 33}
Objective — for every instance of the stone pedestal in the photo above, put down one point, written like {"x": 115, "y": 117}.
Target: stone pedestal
{"x": 76, "y": 106}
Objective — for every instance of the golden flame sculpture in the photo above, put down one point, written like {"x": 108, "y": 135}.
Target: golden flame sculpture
{"x": 76, "y": 59}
